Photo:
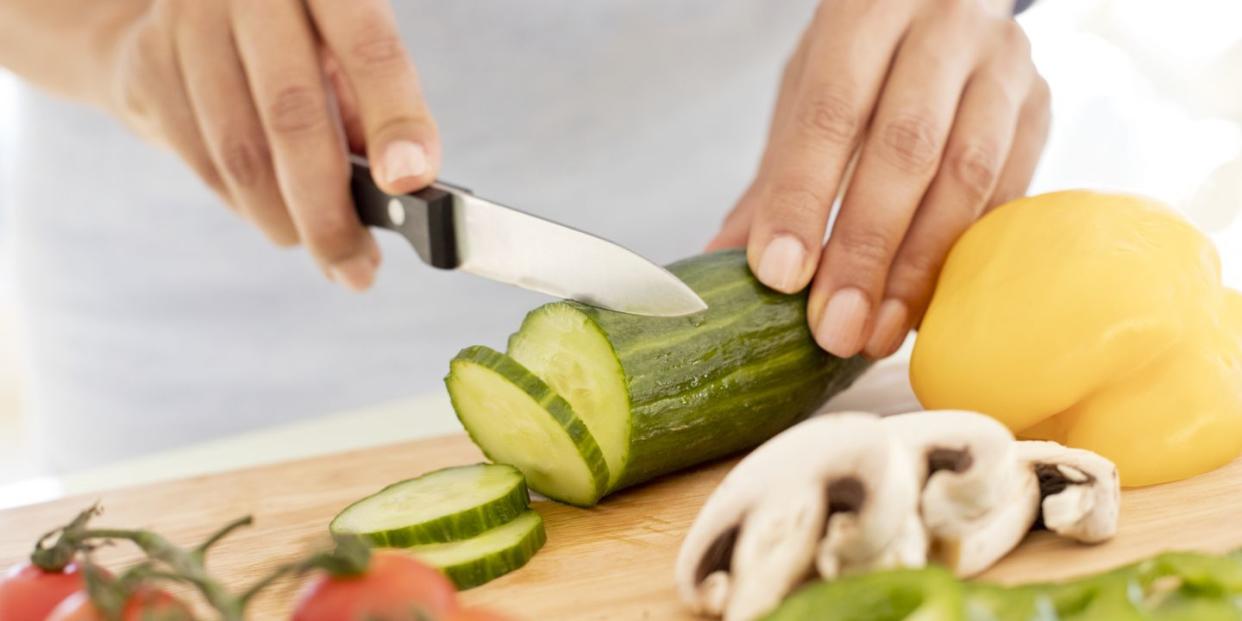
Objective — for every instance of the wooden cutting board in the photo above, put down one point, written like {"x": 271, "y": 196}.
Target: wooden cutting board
{"x": 611, "y": 562}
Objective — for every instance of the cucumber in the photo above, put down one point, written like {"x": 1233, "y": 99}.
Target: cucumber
{"x": 659, "y": 394}
{"x": 445, "y": 505}
{"x": 488, "y": 556}
{"x": 515, "y": 418}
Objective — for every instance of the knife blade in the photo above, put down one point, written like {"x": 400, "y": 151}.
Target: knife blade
{"x": 451, "y": 228}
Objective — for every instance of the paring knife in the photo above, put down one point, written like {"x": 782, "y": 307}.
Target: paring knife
{"x": 451, "y": 228}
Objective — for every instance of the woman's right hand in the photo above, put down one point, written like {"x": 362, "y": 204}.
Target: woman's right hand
{"x": 261, "y": 99}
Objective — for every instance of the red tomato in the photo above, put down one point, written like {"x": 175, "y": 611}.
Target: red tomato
{"x": 394, "y": 588}
{"x": 478, "y": 614}
{"x": 28, "y": 593}
{"x": 145, "y": 604}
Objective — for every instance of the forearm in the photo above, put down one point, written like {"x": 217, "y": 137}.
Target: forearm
{"x": 63, "y": 45}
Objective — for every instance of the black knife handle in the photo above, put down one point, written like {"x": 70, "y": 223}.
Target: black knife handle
{"x": 424, "y": 218}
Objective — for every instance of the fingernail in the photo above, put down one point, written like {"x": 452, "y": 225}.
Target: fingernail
{"x": 891, "y": 328}
{"x": 845, "y": 317}
{"x": 781, "y": 263}
{"x": 356, "y": 273}
{"x": 404, "y": 160}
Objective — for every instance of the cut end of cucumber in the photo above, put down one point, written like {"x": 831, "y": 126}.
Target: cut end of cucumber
{"x": 516, "y": 418}
{"x": 565, "y": 348}
{"x": 484, "y": 558}
{"x": 445, "y": 505}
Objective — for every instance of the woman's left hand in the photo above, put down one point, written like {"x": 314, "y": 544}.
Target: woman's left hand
{"x": 941, "y": 104}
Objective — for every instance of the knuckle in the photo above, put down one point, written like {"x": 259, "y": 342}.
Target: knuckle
{"x": 241, "y": 159}
{"x": 865, "y": 246}
{"x": 909, "y": 142}
{"x": 296, "y": 109}
{"x": 1013, "y": 37}
{"x": 331, "y": 235}
{"x": 913, "y": 271}
{"x": 828, "y": 116}
{"x": 976, "y": 168}
{"x": 375, "y": 46}
{"x": 403, "y": 125}
{"x": 796, "y": 203}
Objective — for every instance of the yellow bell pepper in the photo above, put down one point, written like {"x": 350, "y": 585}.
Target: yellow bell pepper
{"x": 1095, "y": 320}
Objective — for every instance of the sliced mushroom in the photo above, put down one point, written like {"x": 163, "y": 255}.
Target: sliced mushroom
{"x": 961, "y": 460}
{"x": 755, "y": 538}
{"x": 978, "y": 500}
{"x": 852, "y": 492}
{"x": 970, "y": 546}
{"x": 873, "y": 521}
{"x": 1080, "y": 490}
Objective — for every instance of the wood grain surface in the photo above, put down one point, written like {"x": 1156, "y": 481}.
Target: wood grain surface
{"x": 611, "y": 562}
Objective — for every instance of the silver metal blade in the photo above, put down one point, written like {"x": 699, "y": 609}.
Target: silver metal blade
{"x": 513, "y": 247}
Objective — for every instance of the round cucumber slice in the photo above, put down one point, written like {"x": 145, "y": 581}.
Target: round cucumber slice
{"x": 564, "y": 347}
{"x": 446, "y": 505}
{"x": 488, "y": 556}
{"x": 515, "y": 418}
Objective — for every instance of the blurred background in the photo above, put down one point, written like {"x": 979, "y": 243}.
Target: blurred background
{"x": 1146, "y": 99}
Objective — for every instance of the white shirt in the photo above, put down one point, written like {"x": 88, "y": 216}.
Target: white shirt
{"x": 155, "y": 318}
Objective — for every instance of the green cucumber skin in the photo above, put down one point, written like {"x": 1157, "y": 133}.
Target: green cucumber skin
{"x": 543, "y": 394}
{"x": 463, "y": 525}
{"x": 719, "y": 382}
{"x": 481, "y": 571}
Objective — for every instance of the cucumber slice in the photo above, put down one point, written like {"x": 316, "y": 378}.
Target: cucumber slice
{"x": 488, "y": 556}
{"x": 516, "y": 418}
{"x": 446, "y": 505}
{"x": 562, "y": 346}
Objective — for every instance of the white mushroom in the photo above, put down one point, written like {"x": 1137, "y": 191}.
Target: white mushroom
{"x": 1080, "y": 490}
{"x": 978, "y": 500}
{"x": 970, "y": 546}
{"x": 852, "y": 492}
{"x": 873, "y": 527}
{"x": 958, "y": 458}
{"x": 756, "y": 536}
